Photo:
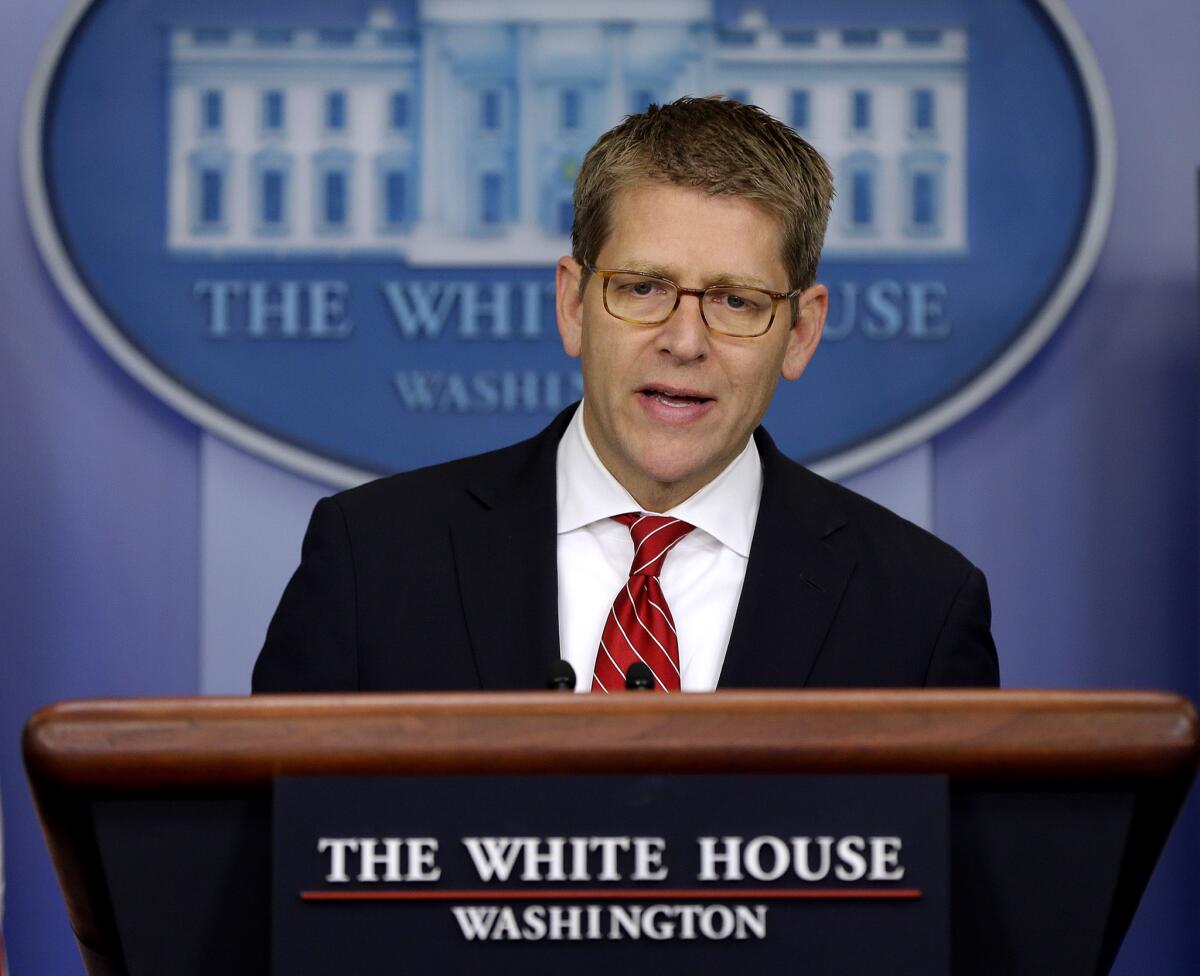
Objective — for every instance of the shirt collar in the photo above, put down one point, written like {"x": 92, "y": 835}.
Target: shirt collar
{"x": 726, "y": 508}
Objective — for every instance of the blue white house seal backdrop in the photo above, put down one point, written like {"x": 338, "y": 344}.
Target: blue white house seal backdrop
{"x": 326, "y": 231}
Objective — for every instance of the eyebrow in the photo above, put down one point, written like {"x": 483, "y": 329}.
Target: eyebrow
{"x": 720, "y": 281}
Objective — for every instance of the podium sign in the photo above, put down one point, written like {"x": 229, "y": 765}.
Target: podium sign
{"x": 602, "y": 874}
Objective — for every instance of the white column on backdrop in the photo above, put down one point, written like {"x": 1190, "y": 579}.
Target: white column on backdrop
{"x": 252, "y": 518}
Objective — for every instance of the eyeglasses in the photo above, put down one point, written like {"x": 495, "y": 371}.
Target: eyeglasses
{"x": 732, "y": 310}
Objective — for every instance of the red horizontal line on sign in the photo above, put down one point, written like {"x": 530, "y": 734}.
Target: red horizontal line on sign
{"x": 619, "y": 894}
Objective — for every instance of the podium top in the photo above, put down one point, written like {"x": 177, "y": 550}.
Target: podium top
{"x": 198, "y": 744}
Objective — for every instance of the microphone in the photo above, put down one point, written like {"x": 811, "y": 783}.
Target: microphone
{"x": 561, "y": 677}
{"x": 639, "y": 677}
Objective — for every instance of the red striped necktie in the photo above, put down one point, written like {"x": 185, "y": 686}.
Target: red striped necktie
{"x": 639, "y": 625}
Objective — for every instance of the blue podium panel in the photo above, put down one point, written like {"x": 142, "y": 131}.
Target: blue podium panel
{"x": 601, "y": 874}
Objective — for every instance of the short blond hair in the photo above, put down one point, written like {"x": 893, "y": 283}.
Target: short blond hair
{"x": 719, "y": 146}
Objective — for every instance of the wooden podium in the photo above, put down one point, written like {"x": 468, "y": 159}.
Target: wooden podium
{"x": 1060, "y": 802}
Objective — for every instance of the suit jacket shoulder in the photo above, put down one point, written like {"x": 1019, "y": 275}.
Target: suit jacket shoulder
{"x": 426, "y": 580}
{"x": 853, "y": 594}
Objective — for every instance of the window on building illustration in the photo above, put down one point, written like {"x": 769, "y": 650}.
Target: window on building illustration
{"x": 800, "y": 109}
{"x": 923, "y": 37}
{"x": 332, "y": 169}
{"x": 923, "y": 114}
{"x": 735, "y": 37}
{"x": 569, "y": 105}
{"x": 272, "y": 110}
{"x": 738, "y": 95}
{"x": 566, "y": 215}
{"x": 209, "y": 36}
{"x": 212, "y": 110}
{"x": 398, "y": 110}
{"x": 208, "y": 190}
{"x": 641, "y": 100}
{"x": 271, "y": 197}
{"x": 798, "y": 36}
{"x": 395, "y": 197}
{"x": 489, "y": 110}
{"x": 273, "y": 36}
{"x": 212, "y": 182}
{"x": 334, "y": 209}
{"x": 862, "y": 199}
{"x": 860, "y": 37}
{"x": 860, "y": 111}
{"x": 399, "y": 37}
{"x": 270, "y": 171}
{"x": 493, "y": 200}
{"x": 335, "y": 111}
{"x": 922, "y": 174}
{"x": 924, "y": 201}
{"x": 336, "y": 36}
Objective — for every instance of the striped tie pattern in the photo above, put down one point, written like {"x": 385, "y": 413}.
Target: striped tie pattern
{"x": 639, "y": 625}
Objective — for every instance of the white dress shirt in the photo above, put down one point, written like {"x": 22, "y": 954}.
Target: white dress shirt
{"x": 701, "y": 578}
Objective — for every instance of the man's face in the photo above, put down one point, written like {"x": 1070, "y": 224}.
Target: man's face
{"x": 667, "y": 407}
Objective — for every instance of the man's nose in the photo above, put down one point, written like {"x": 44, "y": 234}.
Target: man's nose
{"x": 684, "y": 335}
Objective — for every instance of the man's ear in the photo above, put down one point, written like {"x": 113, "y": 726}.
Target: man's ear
{"x": 812, "y": 305}
{"x": 568, "y": 303}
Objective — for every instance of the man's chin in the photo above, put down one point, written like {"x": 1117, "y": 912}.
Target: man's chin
{"x": 676, "y": 481}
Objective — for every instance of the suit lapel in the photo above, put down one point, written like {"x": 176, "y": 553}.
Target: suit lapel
{"x": 799, "y": 566}
{"x": 506, "y": 555}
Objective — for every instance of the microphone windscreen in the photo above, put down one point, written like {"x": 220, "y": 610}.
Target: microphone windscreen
{"x": 639, "y": 677}
{"x": 561, "y": 677}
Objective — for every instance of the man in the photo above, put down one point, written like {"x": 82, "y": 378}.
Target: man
{"x": 690, "y": 291}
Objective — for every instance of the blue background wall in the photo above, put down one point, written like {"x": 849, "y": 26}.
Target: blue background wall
{"x": 1075, "y": 488}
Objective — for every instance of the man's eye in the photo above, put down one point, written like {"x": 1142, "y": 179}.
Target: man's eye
{"x": 643, "y": 288}
{"x": 739, "y": 301}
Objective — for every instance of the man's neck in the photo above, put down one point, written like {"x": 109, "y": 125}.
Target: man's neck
{"x": 657, "y": 497}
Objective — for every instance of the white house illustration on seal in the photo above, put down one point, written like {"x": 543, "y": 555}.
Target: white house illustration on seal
{"x": 455, "y": 140}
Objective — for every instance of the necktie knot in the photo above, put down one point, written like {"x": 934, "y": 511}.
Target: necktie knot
{"x": 653, "y": 537}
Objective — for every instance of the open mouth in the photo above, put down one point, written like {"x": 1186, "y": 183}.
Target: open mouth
{"x": 671, "y": 398}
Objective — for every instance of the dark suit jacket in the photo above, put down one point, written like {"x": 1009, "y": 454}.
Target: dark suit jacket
{"x": 446, "y": 578}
